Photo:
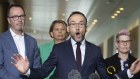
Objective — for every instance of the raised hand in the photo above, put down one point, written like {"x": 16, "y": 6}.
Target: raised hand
{"x": 20, "y": 63}
{"x": 135, "y": 67}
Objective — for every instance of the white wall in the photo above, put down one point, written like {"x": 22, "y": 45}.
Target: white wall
{"x": 110, "y": 28}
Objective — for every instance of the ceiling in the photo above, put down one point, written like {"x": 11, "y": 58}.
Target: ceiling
{"x": 43, "y": 12}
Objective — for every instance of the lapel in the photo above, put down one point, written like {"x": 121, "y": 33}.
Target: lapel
{"x": 131, "y": 59}
{"x": 117, "y": 60}
{"x": 70, "y": 54}
{"x": 27, "y": 45}
{"x": 10, "y": 42}
{"x": 87, "y": 54}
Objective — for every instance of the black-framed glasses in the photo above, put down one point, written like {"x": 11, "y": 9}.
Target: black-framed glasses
{"x": 124, "y": 42}
{"x": 15, "y": 18}
{"x": 81, "y": 25}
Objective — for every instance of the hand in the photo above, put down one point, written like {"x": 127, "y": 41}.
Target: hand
{"x": 20, "y": 63}
{"x": 135, "y": 67}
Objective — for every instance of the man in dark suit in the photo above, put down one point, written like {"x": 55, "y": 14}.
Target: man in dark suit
{"x": 15, "y": 41}
{"x": 73, "y": 59}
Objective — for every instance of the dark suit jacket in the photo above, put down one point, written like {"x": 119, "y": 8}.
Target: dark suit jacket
{"x": 115, "y": 62}
{"x": 8, "y": 48}
{"x": 62, "y": 57}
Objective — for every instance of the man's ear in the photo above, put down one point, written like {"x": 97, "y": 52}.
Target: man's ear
{"x": 8, "y": 20}
{"x": 86, "y": 30}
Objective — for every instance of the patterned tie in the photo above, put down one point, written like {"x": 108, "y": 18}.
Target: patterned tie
{"x": 78, "y": 56}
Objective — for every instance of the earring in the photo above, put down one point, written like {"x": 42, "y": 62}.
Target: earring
{"x": 117, "y": 51}
{"x": 130, "y": 51}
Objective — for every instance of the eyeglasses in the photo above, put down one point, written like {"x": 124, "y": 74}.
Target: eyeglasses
{"x": 124, "y": 42}
{"x": 81, "y": 25}
{"x": 15, "y": 18}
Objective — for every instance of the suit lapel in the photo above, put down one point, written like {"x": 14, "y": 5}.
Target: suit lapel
{"x": 131, "y": 59}
{"x": 87, "y": 54}
{"x": 27, "y": 45}
{"x": 10, "y": 42}
{"x": 70, "y": 54}
{"x": 117, "y": 65}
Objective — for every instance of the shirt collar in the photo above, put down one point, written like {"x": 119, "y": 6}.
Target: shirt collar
{"x": 14, "y": 34}
{"x": 74, "y": 42}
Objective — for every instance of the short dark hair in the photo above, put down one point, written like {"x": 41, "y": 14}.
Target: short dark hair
{"x": 76, "y": 12}
{"x": 54, "y": 22}
{"x": 14, "y": 5}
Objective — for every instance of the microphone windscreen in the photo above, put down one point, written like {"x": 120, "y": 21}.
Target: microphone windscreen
{"x": 94, "y": 76}
{"x": 74, "y": 74}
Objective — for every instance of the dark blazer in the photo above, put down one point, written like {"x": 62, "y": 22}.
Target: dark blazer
{"x": 115, "y": 62}
{"x": 62, "y": 57}
{"x": 8, "y": 48}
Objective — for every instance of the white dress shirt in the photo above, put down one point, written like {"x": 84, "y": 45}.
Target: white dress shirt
{"x": 20, "y": 43}
{"x": 82, "y": 47}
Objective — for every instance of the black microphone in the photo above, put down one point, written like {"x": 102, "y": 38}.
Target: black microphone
{"x": 94, "y": 76}
{"x": 74, "y": 74}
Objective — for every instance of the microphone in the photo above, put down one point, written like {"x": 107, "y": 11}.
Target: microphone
{"x": 94, "y": 76}
{"x": 74, "y": 74}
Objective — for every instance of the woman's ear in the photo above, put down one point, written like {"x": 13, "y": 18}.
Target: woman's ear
{"x": 68, "y": 29}
{"x": 51, "y": 33}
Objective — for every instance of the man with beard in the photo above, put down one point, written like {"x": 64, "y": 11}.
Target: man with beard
{"x": 73, "y": 59}
{"x": 15, "y": 41}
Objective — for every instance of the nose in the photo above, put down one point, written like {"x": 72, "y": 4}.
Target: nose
{"x": 59, "y": 31}
{"x": 77, "y": 26}
{"x": 19, "y": 19}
